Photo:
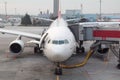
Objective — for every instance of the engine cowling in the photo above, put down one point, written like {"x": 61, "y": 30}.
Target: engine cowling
{"x": 16, "y": 47}
{"x": 102, "y": 49}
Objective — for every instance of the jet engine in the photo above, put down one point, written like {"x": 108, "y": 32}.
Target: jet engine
{"x": 16, "y": 47}
{"x": 102, "y": 49}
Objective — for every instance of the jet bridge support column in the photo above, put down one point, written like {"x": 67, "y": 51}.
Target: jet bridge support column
{"x": 118, "y": 66}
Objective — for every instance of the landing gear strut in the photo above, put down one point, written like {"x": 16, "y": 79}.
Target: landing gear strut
{"x": 37, "y": 50}
{"x": 58, "y": 70}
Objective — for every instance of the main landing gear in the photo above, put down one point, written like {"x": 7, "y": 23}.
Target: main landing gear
{"x": 37, "y": 50}
{"x": 58, "y": 70}
{"x": 80, "y": 49}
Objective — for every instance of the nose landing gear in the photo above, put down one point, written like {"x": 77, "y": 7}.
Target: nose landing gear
{"x": 80, "y": 49}
{"x": 58, "y": 70}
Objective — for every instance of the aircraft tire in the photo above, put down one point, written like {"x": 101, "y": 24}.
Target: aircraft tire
{"x": 118, "y": 66}
{"x": 58, "y": 71}
{"x": 36, "y": 50}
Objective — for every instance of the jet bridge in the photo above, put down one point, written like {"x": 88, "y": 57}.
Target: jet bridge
{"x": 83, "y": 33}
{"x": 94, "y": 32}
{"x": 104, "y": 35}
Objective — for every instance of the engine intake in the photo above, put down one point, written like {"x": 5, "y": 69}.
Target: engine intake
{"x": 16, "y": 46}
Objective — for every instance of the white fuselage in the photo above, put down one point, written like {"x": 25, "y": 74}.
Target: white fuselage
{"x": 60, "y": 42}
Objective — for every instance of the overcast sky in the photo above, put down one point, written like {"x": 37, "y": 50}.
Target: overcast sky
{"x": 34, "y": 6}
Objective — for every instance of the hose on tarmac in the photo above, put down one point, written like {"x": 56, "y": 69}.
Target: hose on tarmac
{"x": 90, "y": 52}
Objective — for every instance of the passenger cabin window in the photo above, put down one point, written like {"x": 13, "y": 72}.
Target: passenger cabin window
{"x": 55, "y": 42}
{"x": 60, "y": 42}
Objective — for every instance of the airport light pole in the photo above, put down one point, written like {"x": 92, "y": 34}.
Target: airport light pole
{"x": 81, "y": 8}
{"x": 100, "y": 11}
{"x": 6, "y": 9}
{"x": 15, "y": 11}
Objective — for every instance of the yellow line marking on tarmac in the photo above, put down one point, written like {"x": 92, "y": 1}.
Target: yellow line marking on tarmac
{"x": 57, "y": 77}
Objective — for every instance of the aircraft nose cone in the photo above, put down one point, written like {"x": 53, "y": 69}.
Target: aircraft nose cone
{"x": 58, "y": 54}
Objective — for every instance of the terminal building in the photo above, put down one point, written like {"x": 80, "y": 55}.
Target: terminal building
{"x": 75, "y": 13}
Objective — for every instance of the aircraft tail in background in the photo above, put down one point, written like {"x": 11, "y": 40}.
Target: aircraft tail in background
{"x": 59, "y": 9}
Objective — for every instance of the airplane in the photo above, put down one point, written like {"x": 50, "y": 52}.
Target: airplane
{"x": 58, "y": 42}
{"x": 57, "y": 45}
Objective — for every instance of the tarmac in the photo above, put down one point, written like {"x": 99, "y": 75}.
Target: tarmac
{"x": 30, "y": 66}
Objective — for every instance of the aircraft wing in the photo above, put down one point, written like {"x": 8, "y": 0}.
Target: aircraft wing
{"x": 77, "y": 19}
{"x": 25, "y": 34}
{"x": 46, "y": 19}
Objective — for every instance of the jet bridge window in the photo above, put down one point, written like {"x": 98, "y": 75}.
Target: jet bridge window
{"x": 59, "y": 42}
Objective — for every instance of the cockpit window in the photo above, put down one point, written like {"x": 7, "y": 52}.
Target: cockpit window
{"x": 59, "y": 42}
{"x": 55, "y": 42}
{"x": 66, "y": 41}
